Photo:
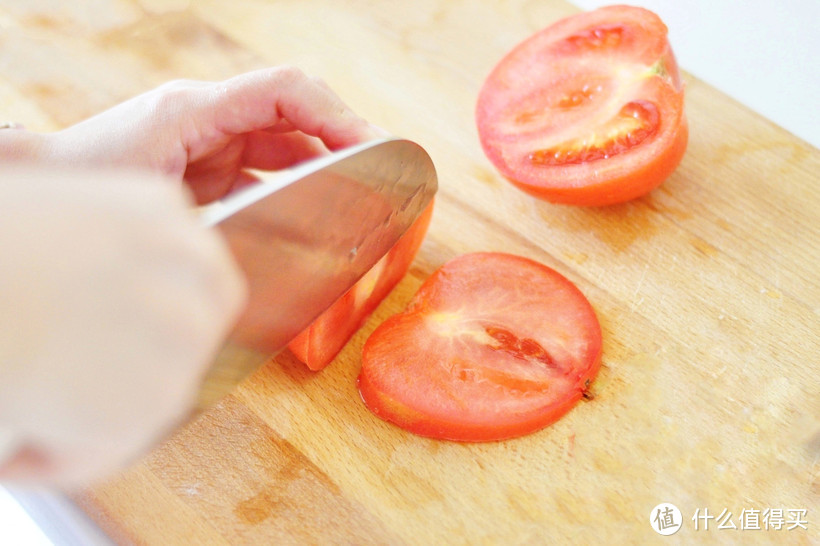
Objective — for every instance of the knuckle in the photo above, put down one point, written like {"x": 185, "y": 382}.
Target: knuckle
{"x": 174, "y": 96}
{"x": 289, "y": 73}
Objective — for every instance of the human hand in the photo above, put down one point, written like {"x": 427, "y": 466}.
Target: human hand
{"x": 114, "y": 301}
{"x": 118, "y": 299}
{"x": 209, "y": 132}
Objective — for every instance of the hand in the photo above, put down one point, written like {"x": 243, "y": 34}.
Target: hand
{"x": 209, "y": 133}
{"x": 113, "y": 299}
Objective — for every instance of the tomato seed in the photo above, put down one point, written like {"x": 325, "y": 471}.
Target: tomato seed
{"x": 505, "y": 337}
{"x": 635, "y": 122}
{"x": 525, "y": 349}
{"x": 609, "y": 36}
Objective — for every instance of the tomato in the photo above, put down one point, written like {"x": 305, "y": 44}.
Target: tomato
{"x": 492, "y": 346}
{"x": 588, "y": 111}
{"x": 320, "y": 342}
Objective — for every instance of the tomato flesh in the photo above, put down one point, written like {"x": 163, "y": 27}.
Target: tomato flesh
{"x": 588, "y": 111}
{"x": 637, "y": 121}
{"x": 492, "y": 346}
{"x": 320, "y": 342}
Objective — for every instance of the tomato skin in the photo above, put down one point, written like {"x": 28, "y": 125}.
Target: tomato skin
{"x": 556, "y": 93}
{"x": 619, "y": 187}
{"x": 493, "y": 346}
{"x": 417, "y": 422}
{"x": 320, "y": 342}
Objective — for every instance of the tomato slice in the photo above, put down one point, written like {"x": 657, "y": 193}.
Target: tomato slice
{"x": 588, "y": 111}
{"x": 320, "y": 342}
{"x": 492, "y": 346}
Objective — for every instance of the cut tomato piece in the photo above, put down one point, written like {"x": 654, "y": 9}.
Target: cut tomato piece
{"x": 492, "y": 346}
{"x": 320, "y": 342}
{"x": 589, "y": 111}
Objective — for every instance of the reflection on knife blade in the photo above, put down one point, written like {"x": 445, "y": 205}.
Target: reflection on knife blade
{"x": 304, "y": 239}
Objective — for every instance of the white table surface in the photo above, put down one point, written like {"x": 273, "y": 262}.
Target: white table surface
{"x": 763, "y": 53}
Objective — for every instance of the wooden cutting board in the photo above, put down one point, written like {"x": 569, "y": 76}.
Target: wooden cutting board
{"x": 707, "y": 290}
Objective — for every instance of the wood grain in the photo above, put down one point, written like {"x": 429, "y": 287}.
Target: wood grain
{"x": 707, "y": 290}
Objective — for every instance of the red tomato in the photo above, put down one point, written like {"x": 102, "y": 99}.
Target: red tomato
{"x": 320, "y": 342}
{"x": 588, "y": 111}
{"x": 492, "y": 346}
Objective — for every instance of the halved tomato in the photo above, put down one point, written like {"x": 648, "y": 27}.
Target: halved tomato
{"x": 320, "y": 342}
{"x": 492, "y": 346}
{"x": 588, "y": 111}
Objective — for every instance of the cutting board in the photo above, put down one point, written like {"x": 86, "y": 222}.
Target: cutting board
{"x": 707, "y": 291}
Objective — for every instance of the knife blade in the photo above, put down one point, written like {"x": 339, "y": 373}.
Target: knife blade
{"x": 304, "y": 237}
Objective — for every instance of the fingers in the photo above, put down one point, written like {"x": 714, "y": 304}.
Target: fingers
{"x": 214, "y": 176}
{"x": 269, "y": 97}
{"x": 272, "y": 151}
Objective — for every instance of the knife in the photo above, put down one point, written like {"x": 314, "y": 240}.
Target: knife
{"x": 305, "y": 236}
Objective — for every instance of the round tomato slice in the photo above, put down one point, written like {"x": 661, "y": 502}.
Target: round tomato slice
{"x": 588, "y": 111}
{"x": 492, "y": 346}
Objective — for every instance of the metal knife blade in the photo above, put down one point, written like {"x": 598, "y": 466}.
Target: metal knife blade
{"x": 304, "y": 237}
